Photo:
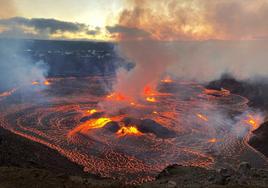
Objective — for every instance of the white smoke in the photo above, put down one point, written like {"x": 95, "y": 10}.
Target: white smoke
{"x": 208, "y": 60}
{"x": 16, "y": 68}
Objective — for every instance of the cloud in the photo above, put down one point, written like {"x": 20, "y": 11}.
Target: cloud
{"x": 130, "y": 32}
{"x": 42, "y": 28}
{"x": 95, "y": 31}
{"x": 49, "y": 24}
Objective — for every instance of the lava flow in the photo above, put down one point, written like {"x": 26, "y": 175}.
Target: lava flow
{"x": 131, "y": 130}
{"x": 254, "y": 122}
{"x": 46, "y": 83}
{"x": 7, "y": 93}
{"x": 167, "y": 79}
{"x": 177, "y": 122}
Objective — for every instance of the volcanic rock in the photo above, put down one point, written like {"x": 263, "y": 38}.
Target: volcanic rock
{"x": 112, "y": 126}
{"x": 12, "y": 177}
{"x": 27, "y": 164}
{"x": 244, "y": 168}
{"x": 256, "y": 92}
{"x": 171, "y": 184}
{"x": 168, "y": 170}
{"x": 259, "y": 139}
{"x": 224, "y": 172}
{"x": 187, "y": 176}
{"x": 223, "y": 176}
{"x": 21, "y": 152}
{"x": 131, "y": 121}
{"x": 93, "y": 116}
{"x": 76, "y": 179}
{"x": 150, "y": 126}
{"x": 168, "y": 88}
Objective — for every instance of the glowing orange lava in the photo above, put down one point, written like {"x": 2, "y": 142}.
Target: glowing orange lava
{"x": 8, "y": 93}
{"x": 131, "y": 130}
{"x": 252, "y": 121}
{"x": 222, "y": 92}
{"x": 212, "y": 140}
{"x": 90, "y": 124}
{"x": 35, "y": 83}
{"x": 116, "y": 96}
{"x": 99, "y": 123}
{"x": 202, "y": 117}
{"x": 47, "y": 83}
{"x": 167, "y": 79}
{"x": 150, "y": 99}
{"x": 92, "y": 111}
{"x": 149, "y": 91}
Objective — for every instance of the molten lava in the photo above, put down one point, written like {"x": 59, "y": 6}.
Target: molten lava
{"x": 99, "y": 123}
{"x": 92, "y": 111}
{"x": 217, "y": 93}
{"x": 130, "y": 130}
{"x": 212, "y": 140}
{"x": 149, "y": 91}
{"x": 46, "y": 82}
{"x": 202, "y": 117}
{"x": 116, "y": 96}
{"x": 35, "y": 83}
{"x": 90, "y": 124}
{"x": 150, "y": 94}
{"x": 252, "y": 121}
{"x": 167, "y": 79}
{"x": 150, "y": 99}
{"x": 8, "y": 93}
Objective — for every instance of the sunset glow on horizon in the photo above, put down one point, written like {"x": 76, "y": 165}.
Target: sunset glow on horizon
{"x": 134, "y": 20}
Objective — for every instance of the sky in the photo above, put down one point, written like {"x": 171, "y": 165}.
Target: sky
{"x": 110, "y": 20}
{"x": 91, "y": 12}
{"x": 94, "y": 14}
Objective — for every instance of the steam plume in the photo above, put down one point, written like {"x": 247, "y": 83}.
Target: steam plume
{"x": 16, "y": 68}
{"x": 197, "y": 19}
{"x": 7, "y": 9}
{"x": 149, "y": 65}
{"x": 237, "y": 25}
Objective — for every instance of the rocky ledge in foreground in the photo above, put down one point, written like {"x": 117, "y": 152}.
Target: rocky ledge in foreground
{"x": 176, "y": 176}
{"x": 13, "y": 177}
{"x": 20, "y": 152}
{"x": 27, "y": 164}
